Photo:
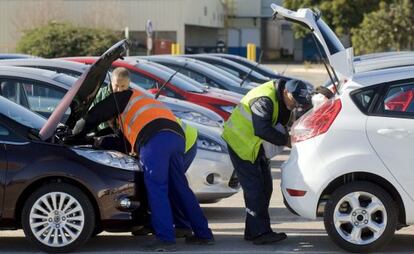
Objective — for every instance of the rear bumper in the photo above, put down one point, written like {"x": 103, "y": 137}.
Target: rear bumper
{"x": 212, "y": 165}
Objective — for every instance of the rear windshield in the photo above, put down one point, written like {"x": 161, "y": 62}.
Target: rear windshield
{"x": 332, "y": 41}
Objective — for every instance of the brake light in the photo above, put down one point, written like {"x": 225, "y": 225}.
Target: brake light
{"x": 317, "y": 121}
{"x": 296, "y": 193}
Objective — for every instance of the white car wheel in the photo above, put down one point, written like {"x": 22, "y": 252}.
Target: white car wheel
{"x": 360, "y": 217}
{"x": 58, "y": 217}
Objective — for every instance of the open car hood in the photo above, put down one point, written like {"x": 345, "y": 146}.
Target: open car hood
{"x": 80, "y": 97}
{"x": 339, "y": 58}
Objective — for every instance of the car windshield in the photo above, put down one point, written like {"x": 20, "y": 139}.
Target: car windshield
{"x": 332, "y": 41}
{"x": 20, "y": 114}
{"x": 178, "y": 75}
{"x": 66, "y": 79}
{"x": 209, "y": 68}
{"x": 176, "y": 81}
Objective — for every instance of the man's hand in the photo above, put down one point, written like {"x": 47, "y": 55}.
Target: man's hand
{"x": 80, "y": 124}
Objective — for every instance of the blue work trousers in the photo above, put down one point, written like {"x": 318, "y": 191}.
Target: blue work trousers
{"x": 162, "y": 157}
{"x": 180, "y": 221}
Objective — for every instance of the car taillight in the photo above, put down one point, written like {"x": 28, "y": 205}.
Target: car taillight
{"x": 316, "y": 122}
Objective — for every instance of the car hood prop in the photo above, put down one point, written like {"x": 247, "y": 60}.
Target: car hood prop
{"x": 80, "y": 97}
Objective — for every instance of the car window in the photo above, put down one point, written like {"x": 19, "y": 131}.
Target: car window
{"x": 7, "y": 135}
{"x": 21, "y": 114}
{"x": 399, "y": 99}
{"x": 195, "y": 76}
{"x": 144, "y": 82}
{"x": 3, "y": 131}
{"x": 212, "y": 83}
{"x": 363, "y": 99}
{"x": 42, "y": 99}
{"x": 12, "y": 90}
{"x": 235, "y": 73}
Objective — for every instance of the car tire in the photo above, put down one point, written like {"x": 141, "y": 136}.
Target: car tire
{"x": 58, "y": 217}
{"x": 361, "y": 217}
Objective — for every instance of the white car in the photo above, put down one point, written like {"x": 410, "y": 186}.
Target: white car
{"x": 351, "y": 161}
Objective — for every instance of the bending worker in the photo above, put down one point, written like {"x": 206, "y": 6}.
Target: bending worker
{"x": 156, "y": 136}
{"x": 261, "y": 116}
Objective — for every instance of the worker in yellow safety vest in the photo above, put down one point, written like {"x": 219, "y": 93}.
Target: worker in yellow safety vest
{"x": 261, "y": 117}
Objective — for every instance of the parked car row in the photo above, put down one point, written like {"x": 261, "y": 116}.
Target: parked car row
{"x": 63, "y": 191}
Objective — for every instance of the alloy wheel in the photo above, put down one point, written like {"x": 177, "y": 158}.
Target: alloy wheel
{"x": 56, "y": 219}
{"x": 360, "y": 218}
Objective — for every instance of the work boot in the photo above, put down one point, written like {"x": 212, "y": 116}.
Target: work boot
{"x": 183, "y": 232}
{"x": 193, "y": 240}
{"x": 269, "y": 238}
{"x": 143, "y": 231}
{"x": 161, "y": 246}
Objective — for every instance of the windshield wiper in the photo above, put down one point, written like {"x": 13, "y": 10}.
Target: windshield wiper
{"x": 168, "y": 80}
{"x": 253, "y": 68}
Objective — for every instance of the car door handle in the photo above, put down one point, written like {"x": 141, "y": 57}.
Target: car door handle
{"x": 394, "y": 132}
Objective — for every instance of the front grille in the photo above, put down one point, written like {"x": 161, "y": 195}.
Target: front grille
{"x": 234, "y": 181}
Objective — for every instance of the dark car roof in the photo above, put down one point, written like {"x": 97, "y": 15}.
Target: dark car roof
{"x": 179, "y": 80}
{"x": 250, "y": 64}
{"x": 240, "y": 68}
{"x": 46, "y": 63}
{"x": 194, "y": 65}
{"x": 14, "y": 56}
{"x": 36, "y": 74}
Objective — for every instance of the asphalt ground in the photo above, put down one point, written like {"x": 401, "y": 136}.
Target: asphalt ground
{"x": 226, "y": 218}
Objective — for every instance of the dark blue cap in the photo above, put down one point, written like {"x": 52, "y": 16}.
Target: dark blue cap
{"x": 300, "y": 90}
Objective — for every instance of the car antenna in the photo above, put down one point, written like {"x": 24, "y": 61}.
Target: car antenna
{"x": 328, "y": 70}
{"x": 253, "y": 68}
{"x": 169, "y": 79}
{"x": 285, "y": 69}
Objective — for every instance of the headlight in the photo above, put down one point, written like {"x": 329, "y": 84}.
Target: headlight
{"x": 228, "y": 109}
{"x": 110, "y": 158}
{"x": 196, "y": 117}
{"x": 209, "y": 144}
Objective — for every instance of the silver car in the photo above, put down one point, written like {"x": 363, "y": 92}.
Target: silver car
{"x": 41, "y": 91}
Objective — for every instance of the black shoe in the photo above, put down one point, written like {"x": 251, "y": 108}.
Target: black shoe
{"x": 183, "y": 232}
{"x": 143, "y": 231}
{"x": 198, "y": 241}
{"x": 269, "y": 238}
{"x": 249, "y": 238}
{"x": 161, "y": 246}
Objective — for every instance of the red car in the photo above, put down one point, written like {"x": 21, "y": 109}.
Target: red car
{"x": 151, "y": 78}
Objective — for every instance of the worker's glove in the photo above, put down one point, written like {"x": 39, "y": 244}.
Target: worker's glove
{"x": 80, "y": 124}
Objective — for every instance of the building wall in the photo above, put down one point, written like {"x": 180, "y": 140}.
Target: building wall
{"x": 246, "y": 8}
{"x": 166, "y": 15}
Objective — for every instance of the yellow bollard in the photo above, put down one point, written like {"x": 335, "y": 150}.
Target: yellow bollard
{"x": 177, "y": 49}
{"x": 173, "y": 52}
{"x": 253, "y": 52}
{"x": 248, "y": 51}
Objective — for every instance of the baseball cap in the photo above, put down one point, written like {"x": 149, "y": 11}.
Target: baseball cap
{"x": 300, "y": 90}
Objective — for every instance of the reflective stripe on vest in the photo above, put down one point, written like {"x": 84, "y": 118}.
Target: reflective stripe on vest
{"x": 190, "y": 134}
{"x": 140, "y": 111}
{"x": 238, "y": 130}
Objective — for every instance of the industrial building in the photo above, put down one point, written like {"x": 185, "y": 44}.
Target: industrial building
{"x": 196, "y": 25}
